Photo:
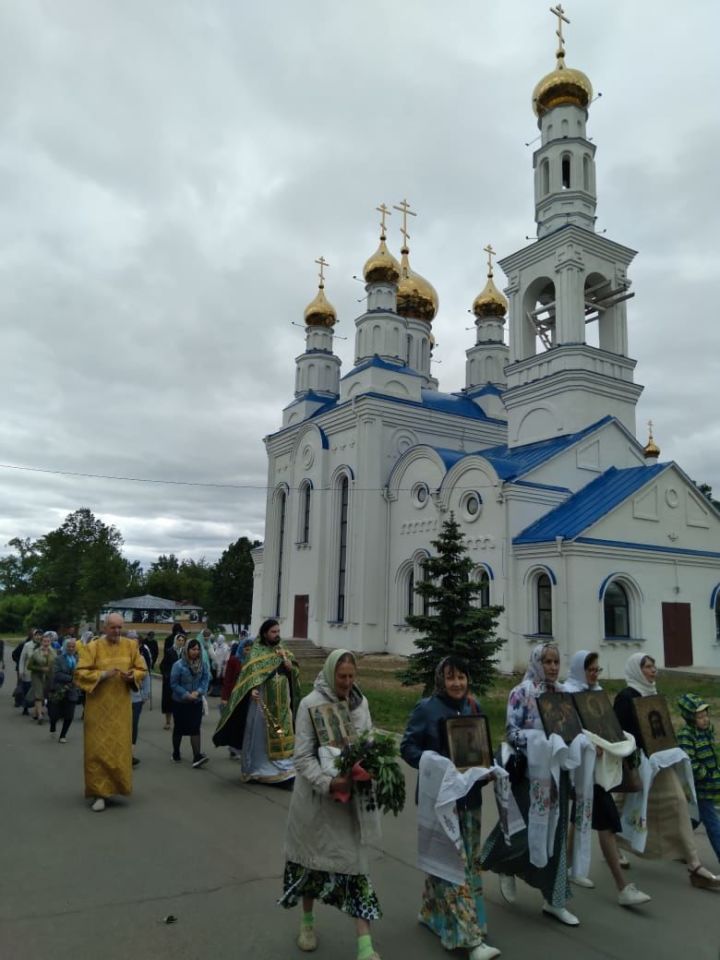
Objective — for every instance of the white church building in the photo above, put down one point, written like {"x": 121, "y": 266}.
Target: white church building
{"x": 574, "y": 526}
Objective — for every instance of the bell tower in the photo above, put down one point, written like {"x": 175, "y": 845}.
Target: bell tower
{"x": 567, "y": 292}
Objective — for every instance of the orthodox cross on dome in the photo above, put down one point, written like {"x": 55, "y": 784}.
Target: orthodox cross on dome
{"x": 560, "y": 14}
{"x": 491, "y": 253}
{"x": 650, "y": 426}
{"x": 322, "y": 263}
{"x": 404, "y": 208}
{"x": 384, "y": 212}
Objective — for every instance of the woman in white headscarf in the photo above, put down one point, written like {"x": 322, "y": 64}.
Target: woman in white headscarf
{"x": 669, "y": 831}
{"x": 513, "y": 860}
{"x": 583, "y": 675}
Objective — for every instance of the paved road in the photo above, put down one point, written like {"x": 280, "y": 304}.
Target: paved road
{"x": 202, "y": 846}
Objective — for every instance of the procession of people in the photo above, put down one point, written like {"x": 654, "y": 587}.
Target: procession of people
{"x": 549, "y": 793}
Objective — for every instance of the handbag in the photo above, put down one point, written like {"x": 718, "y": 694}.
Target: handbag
{"x": 631, "y": 782}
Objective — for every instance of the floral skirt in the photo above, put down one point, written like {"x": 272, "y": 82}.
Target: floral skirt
{"x": 456, "y": 913}
{"x": 352, "y": 893}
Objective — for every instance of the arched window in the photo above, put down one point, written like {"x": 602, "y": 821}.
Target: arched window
{"x": 616, "y": 607}
{"x": 484, "y": 594}
{"x": 305, "y": 503}
{"x": 410, "y": 593}
{"x": 545, "y": 177}
{"x": 565, "y": 171}
{"x": 586, "y": 173}
{"x": 282, "y": 509}
{"x": 543, "y": 592}
{"x": 342, "y": 549}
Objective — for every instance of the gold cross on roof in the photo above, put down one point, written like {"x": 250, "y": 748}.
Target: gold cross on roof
{"x": 404, "y": 208}
{"x": 560, "y": 14}
{"x": 384, "y": 212}
{"x": 491, "y": 253}
{"x": 650, "y": 426}
{"x": 322, "y": 263}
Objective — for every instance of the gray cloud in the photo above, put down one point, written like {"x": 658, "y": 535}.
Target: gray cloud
{"x": 170, "y": 171}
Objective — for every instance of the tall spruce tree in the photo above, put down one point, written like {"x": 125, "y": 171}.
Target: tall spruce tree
{"x": 453, "y": 622}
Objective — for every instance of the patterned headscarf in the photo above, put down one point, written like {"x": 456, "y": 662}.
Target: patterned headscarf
{"x": 195, "y": 665}
{"x": 636, "y": 678}
{"x": 535, "y": 674}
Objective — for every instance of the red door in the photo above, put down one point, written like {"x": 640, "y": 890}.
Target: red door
{"x": 677, "y": 634}
{"x": 300, "y": 616}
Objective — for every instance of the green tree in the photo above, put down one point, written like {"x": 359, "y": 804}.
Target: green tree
{"x": 135, "y": 579}
{"x": 80, "y": 567}
{"x": 17, "y": 570}
{"x": 453, "y": 622}
{"x": 163, "y": 577}
{"x": 706, "y": 490}
{"x": 230, "y": 598}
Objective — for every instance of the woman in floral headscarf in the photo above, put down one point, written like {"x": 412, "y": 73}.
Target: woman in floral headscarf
{"x": 513, "y": 860}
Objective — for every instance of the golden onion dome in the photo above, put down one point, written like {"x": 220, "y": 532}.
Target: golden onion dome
{"x": 564, "y": 85}
{"x": 490, "y": 302}
{"x": 381, "y": 267}
{"x": 416, "y": 296}
{"x": 651, "y": 449}
{"x": 320, "y": 312}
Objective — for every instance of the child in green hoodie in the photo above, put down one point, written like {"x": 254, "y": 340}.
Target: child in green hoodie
{"x": 697, "y": 739}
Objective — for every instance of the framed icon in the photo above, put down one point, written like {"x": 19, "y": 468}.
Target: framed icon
{"x": 654, "y": 723}
{"x": 558, "y": 715}
{"x": 333, "y": 724}
{"x": 469, "y": 743}
{"x": 597, "y": 715}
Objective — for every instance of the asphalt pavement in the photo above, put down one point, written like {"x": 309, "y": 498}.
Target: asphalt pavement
{"x": 206, "y": 849}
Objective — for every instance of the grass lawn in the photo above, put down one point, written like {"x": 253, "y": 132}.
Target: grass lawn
{"x": 391, "y": 703}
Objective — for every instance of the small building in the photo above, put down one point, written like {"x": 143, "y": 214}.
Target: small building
{"x": 141, "y": 612}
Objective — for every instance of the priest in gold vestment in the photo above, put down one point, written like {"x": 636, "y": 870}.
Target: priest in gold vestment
{"x": 108, "y": 668}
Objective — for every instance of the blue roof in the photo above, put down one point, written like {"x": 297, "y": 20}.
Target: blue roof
{"x": 383, "y": 365}
{"x": 453, "y": 403}
{"x": 511, "y": 462}
{"x": 590, "y": 504}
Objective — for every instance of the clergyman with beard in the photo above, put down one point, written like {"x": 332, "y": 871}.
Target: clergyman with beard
{"x": 259, "y": 719}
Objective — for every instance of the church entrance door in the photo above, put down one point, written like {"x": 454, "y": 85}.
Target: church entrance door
{"x": 300, "y": 616}
{"x": 677, "y": 634}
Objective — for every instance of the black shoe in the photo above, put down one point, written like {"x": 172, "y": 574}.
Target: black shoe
{"x": 199, "y": 760}
{"x": 135, "y": 761}
{"x": 176, "y": 757}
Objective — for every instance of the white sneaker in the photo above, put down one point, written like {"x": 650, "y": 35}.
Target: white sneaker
{"x": 507, "y": 887}
{"x": 62, "y": 740}
{"x": 99, "y": 805}
{"x": 306, "y": 939}
{"x": 630, "y": 896}
{"x": 561, "y": 914}
{"x": 483, "y": 951}
{"x": 581, "y": 881}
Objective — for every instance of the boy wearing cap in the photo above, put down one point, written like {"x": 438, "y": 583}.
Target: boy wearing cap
{"x": 697, "y": 739}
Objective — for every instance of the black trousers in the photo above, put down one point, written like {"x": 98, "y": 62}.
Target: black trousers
{"x": 61, "y": 710}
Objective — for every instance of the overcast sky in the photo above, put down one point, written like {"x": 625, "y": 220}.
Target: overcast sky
{"x": 170, "y": 169}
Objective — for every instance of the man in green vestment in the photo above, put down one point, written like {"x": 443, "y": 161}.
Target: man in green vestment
{"x": 259, "y": 716}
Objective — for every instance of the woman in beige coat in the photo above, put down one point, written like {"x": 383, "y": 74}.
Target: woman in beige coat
{"x": 326, "y": 858}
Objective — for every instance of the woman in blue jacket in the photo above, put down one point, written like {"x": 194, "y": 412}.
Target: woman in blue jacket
{"x": 189, "y": 680}
{"x": 456, "y": 913}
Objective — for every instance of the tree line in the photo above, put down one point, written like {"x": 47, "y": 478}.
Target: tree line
{"x": 66, "y": 577}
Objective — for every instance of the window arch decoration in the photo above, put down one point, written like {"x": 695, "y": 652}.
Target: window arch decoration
{"x": 715, "y": 605}
{"x": 621, "y": 601}
{"x": 409, "y": 574}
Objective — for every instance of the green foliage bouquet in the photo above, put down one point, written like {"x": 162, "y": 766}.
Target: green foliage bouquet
{"x": 371, "y": 763}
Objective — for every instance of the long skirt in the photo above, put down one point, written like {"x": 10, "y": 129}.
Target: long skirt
{"x": 514, "y": 857}
{"x": 354, "y": 894}
{"x": 669, "y": 831}
{"x": 255, "y": 764}
{"x": 187, "y": 717}
{"x": 456, "y": 912}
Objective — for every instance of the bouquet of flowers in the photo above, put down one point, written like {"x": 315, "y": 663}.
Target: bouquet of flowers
{"x": 371, "y": 762}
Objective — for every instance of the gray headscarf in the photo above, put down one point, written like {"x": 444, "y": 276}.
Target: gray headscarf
{"x": 636, "y": 678}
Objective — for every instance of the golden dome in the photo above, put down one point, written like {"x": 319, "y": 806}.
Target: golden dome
{"x": 563, "y": 85}
{"x": 651, "y": 449}
{"x": 320, "y": 312}
{"x": 381, "y": 267}
{"x": 490, "y": 302}
{"x": 416, "y": 296}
